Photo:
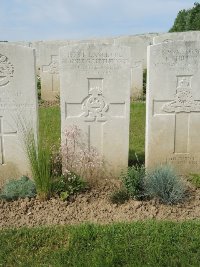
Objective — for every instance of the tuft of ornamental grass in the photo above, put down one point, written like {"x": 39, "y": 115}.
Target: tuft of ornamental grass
{"x": 164, "y": 184}
{"x": 40, "y": 162}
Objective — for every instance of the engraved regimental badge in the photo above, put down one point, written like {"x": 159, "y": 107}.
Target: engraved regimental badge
{"x": 6, "y": 70}
{"x": 95, "y": 106}
{"x": 184, "y": 101}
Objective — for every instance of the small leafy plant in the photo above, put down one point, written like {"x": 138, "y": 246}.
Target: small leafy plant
{"x": 133, "y": 181}
{"x": 21, "y": 188}
{"x": 67, "y": 185}
{"x": 195, "y": 179}
{"x": 164, "y": 184}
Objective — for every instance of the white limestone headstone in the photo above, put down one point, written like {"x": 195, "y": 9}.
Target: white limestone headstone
{"x": 35, "y": 45}
{"x": 95, "y": 96}
{"x": 102, "y": 40}
{"x": 173, "y": 106}
{"x": 177, "y": 36}
{"x": 49, "y": 69}
{"x": 18, "y": 107}
{"x": 138, "y": 45}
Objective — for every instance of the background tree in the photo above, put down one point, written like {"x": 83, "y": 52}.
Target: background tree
{"x": 187, "y": 20}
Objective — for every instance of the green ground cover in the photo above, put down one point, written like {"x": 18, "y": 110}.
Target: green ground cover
{"x": 147, "y": 243}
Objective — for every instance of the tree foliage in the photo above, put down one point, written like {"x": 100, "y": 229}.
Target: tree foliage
{"x": 187, "y": 20}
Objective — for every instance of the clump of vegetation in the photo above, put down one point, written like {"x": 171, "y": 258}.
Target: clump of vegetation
{"x": 65, "y": 181}
{"x": 21, "y": 188}
{"x": 119, "y": 196}
{"x": 78, "y": 157}
{"x": 195, "y": 179}
{"x": 40, "y": 162}
{"x": 133, "y": 181}
{"x": 60, "y": 172}
{"x": 164, "y": 184}
{"x": 161, "y": 183}
{"x": 68, "y": 184}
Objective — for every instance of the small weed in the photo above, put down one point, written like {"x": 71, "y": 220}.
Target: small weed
{"x": 195, "y": 179}
{"x": 67, "y": 185}
{"x": 133, "y": 181}
{"x": 119, "y": 196}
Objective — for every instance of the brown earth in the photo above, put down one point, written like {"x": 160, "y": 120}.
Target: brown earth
{"x": 93, "y": 206}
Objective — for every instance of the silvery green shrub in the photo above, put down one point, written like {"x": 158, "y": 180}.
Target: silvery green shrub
{"x": 164, "y": 184}
{"x": 21, "y": 188}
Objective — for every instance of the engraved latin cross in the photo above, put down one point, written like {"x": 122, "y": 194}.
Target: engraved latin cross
{"x": 4, "y": 134}
{"x": 52, "y": 69}
{"x": 95, "y": 111}
{"x": 182, "y": 106}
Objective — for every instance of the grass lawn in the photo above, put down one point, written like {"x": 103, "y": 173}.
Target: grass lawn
{"x": 139, "y": 244}
{"x": 49, "y": 121}
{"x": 137, "y": 133}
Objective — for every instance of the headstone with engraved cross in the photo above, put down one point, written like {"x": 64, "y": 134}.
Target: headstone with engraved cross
{"x": 173, "y": 106}
{"x": 49, "y": 69}
{"x": 95, "y": 92}
{"x": 138, "y": 45}
{"x": 18, "y": 108}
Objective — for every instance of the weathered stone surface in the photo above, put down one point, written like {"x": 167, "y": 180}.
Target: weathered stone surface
{"x": 95, "y": 96}
{"x": 177, "y": 36}
{"x": 18, "y": 107}
{"x": 102, "y": 40}
{"x": 36, "y": 45}
{"x": 138, "y": 45}
{"x": 49, "y": 69}
{"x": 173, "y": 106}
